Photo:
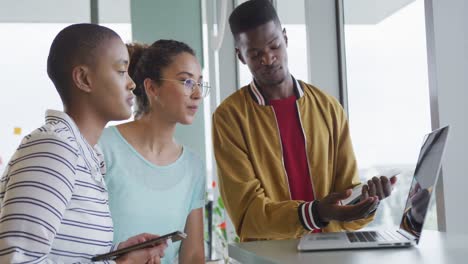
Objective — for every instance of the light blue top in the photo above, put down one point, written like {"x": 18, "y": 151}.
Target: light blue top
{"x": 144, "y": 197}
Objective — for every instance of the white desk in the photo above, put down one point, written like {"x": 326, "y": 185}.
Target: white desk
{"x": 434, "y": 248}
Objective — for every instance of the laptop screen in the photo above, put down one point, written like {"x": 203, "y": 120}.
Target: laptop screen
{"x": 424, "y": 180}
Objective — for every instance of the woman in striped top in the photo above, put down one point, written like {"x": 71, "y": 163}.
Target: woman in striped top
{"x": 54, "y": 201}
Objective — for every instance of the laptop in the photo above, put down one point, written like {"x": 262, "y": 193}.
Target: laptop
{"x": 415, "y": 211}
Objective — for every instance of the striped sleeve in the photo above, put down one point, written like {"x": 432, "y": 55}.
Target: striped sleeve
{"x": 35, "y": 193}
{"x": 308, "y": 216}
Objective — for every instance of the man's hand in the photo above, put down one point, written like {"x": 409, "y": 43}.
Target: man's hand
{"x": 329, "y": 208}
{"x": 151, "y": 255}
{"x": 380, "y": 187}
{"x": 419, "y": 203}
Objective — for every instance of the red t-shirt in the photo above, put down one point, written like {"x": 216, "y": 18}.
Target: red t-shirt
{"x": 294, "y": 148}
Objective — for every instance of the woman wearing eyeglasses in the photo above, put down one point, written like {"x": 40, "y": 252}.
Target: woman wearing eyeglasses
{"x": 156, "y": 184}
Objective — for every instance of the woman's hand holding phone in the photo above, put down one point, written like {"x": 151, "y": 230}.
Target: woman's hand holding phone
{"x": 150, "y": 255}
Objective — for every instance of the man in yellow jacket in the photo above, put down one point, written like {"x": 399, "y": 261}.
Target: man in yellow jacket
{"x": 282, "y": 146}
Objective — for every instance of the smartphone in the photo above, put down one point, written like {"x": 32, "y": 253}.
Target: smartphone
{"x": 355, "y": 197}
{"x": 174, "y": 237}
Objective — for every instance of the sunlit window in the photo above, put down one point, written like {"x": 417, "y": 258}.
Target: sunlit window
{"x": 388, "y": 96}
{"x": 27, "y": 90}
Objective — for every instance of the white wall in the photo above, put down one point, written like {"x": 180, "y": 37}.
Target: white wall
{"x": 448, "y": 73}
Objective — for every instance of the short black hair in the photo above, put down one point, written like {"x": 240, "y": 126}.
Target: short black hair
{"x": 74, "y": 45}
{"x": 149, "y": 62}
{"x": 251, "y": 14}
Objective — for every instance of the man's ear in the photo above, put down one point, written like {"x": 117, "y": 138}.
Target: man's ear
{"x": 285, "y": 36}
{"x": 239, "y": 56}
{"x": 80, "y": 78}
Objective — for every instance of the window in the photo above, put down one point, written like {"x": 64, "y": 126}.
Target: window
{"x": 388, "y": 94}
{"x": 28, "y": 91}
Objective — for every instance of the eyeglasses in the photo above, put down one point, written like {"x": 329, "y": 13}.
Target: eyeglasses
{"x": 190, "y": 84}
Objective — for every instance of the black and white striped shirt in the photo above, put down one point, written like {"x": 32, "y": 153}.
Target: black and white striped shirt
{"x": 54, "y": 202}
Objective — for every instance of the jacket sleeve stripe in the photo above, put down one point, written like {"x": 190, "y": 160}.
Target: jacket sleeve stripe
{"x": 303, "y": 216}
{"x": 311, "y": 215}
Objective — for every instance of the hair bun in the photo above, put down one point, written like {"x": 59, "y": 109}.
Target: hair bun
{"x": 135, "y": 51}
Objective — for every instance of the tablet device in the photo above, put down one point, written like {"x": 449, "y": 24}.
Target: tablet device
{"x": 174, "y": 237}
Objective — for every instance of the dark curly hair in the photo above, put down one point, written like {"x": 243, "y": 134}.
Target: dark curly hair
{"x": 149, "y": 62}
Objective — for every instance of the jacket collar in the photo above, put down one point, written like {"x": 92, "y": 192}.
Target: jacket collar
{"x": 260, "y": 99}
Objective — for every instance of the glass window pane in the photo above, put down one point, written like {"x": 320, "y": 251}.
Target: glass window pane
{"x": 123, "y": 29}
{"x": 297, "y": 51}
{"x": 388, "y": 93}
{"x": 28, "y": 91}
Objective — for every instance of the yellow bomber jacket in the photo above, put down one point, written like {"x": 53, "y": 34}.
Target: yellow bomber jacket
{"x": 252, "y": 178}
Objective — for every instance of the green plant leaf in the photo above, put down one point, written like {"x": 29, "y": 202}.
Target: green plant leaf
{"x": 218, "y": 211}
{"x": 224, "y": 234}
{"x": 220, "y": 202}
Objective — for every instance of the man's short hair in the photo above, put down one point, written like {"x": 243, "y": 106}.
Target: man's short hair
{"x": 74, "y": 45}
{"x": 252, "y": 14}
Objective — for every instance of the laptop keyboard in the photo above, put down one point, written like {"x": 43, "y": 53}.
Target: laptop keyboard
{"x": 370, "y": 236}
